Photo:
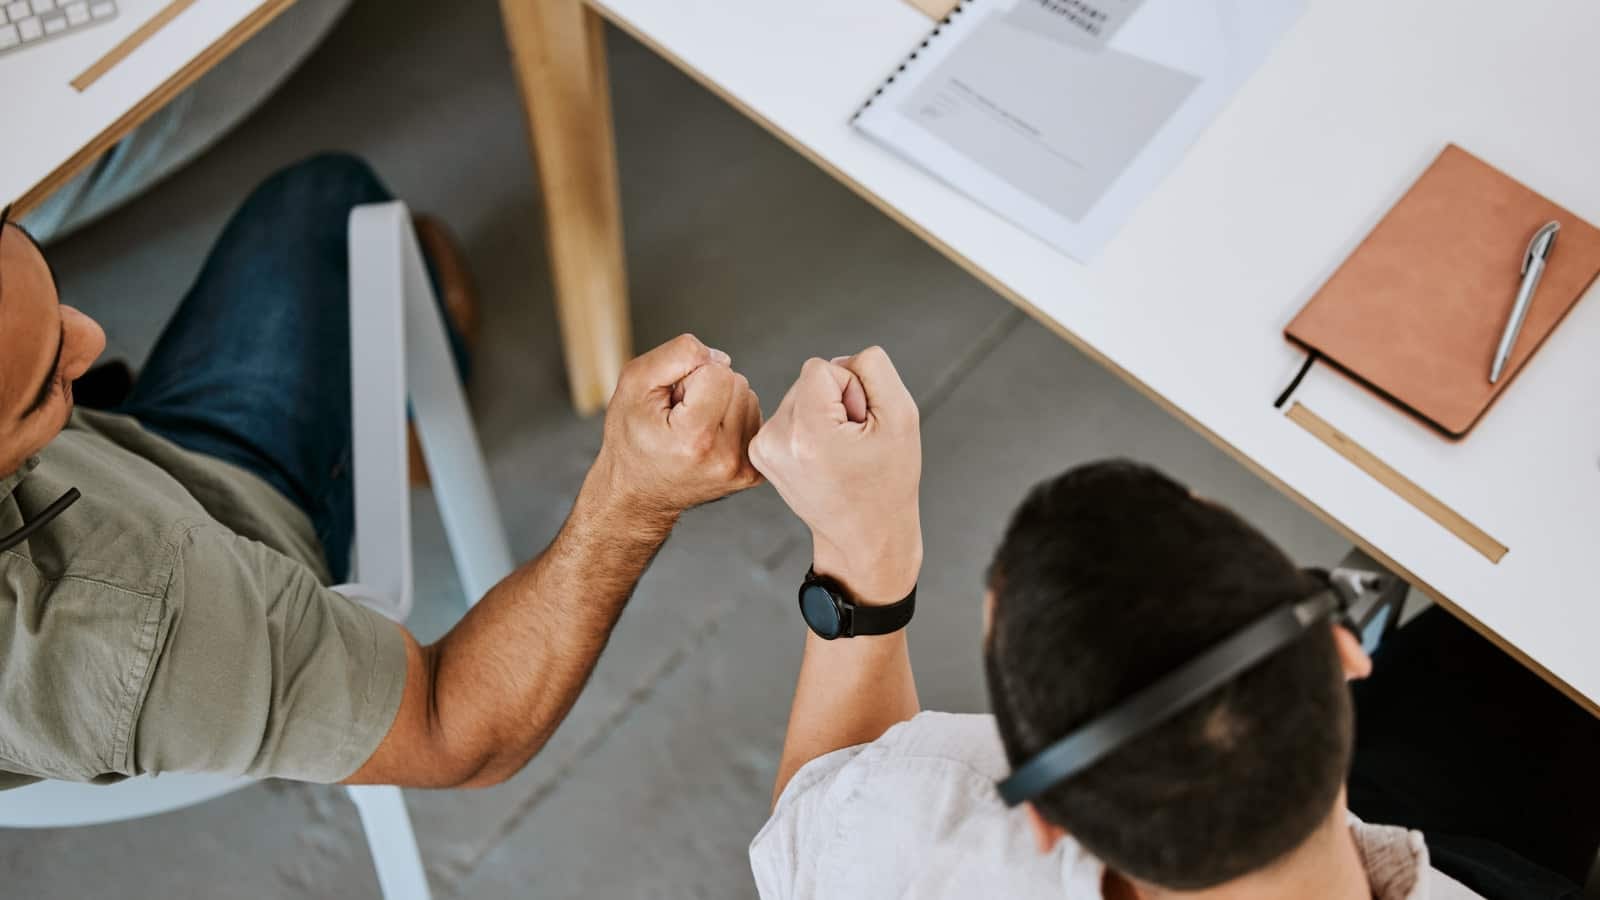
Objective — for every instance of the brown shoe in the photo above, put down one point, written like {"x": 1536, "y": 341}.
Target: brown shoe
{"x": 460, "y": 304}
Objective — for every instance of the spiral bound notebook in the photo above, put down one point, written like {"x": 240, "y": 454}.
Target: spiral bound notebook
{"x": 1062, "y": 115}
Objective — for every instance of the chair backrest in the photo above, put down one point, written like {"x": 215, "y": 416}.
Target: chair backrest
{"x": 397, "y": 341}
{"x": 386, "y": 262}
{"x": 381, "y": 246}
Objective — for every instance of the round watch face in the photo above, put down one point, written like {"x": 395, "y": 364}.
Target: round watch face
{"x": 819, "y": 610}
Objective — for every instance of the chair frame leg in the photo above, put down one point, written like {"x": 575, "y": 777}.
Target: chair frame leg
{"x": 392, "y": 842}
{"x": 438, "y": 405}
{"x": 400, "y": 359}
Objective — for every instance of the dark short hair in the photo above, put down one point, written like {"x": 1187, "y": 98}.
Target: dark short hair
{"x": 1112, "y": 575}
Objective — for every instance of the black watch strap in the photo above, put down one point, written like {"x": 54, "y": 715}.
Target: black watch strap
{"x": 866, "y": 621}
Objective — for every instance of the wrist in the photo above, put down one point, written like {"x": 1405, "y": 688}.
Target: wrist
{"x": 876, "y": 574}
{"x": 609, "y": 498}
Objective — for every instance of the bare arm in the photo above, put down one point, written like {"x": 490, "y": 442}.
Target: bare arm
{"x": 479, "y": 703}
{"x": 844, "y": 451}
{"x": 850, "y": 691}
{"x": 482, "y": 701}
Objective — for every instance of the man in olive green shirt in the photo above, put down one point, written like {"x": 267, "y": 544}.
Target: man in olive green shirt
{"x": 176, "y": 616}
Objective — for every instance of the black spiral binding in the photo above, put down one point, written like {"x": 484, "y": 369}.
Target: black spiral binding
{"x": 948, "y": 18}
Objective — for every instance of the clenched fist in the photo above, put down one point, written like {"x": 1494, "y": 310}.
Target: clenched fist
{"x": 845, "y": 451}
{"x": 677, "y": 432}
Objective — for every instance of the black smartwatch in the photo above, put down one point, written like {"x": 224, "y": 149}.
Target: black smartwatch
{"x": 828, "y": 609}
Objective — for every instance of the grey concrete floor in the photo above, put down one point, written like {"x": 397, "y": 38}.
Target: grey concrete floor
{"x": 661, "y": 774}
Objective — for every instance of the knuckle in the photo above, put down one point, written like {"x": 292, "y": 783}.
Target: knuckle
{"x": 769, "y": 449}
{"x": 630, "y": 373}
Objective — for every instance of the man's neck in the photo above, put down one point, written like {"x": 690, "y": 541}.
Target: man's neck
{"x": 1327, "y": 865}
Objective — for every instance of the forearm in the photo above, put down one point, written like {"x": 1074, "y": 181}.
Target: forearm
{"x": 850, "y": 691}
{"x": 507, "y": 674}
{"x": 479, "y": 703}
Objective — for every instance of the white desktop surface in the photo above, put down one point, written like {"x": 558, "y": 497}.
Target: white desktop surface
{"x": 47, "y": 121}
{"x": 1191, "y": 298}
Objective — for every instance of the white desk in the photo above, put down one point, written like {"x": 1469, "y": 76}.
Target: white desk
{"x": 57, "y": 129}
{"x": 1189, "y": 302}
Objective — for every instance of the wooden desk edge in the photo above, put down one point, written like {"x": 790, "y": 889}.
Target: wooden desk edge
{"x": 163, "y": 94}
{"x": 622, "y": 24}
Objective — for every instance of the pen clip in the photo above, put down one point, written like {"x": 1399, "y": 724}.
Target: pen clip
{"x": 1539, "y": 245}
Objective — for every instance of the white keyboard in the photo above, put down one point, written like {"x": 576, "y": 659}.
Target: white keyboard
{"x": 24, "y": 23}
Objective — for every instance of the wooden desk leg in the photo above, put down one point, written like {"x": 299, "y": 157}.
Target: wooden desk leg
{"x": 558, "y": 50}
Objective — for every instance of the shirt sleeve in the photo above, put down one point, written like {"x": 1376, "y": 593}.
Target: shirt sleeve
{"x": 264, "y": 671}
{"x": 796, "y": 834}
{"x": 913, "y": 814}
{"x": 857, "y": 811}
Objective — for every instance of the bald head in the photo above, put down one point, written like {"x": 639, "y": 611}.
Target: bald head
{"x": 44, "y": 347}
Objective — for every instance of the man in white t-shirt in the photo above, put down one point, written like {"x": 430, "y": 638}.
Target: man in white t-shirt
{"x": 1113, "y": 586}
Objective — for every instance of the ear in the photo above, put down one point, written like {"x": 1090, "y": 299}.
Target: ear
{"x": 1046, "y": 834}
{"x": 1354, "y": 660}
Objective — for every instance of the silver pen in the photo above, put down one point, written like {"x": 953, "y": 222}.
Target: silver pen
{"x": 1532, "y": 270}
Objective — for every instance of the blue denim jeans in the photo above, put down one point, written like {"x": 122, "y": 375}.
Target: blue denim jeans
{"x": 254, "y": 367}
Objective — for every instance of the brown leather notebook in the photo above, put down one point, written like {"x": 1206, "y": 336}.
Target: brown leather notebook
{"x": 1417, "y": 310}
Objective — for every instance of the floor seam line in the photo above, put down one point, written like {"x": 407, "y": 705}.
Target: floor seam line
{"x": 988, "y": 340}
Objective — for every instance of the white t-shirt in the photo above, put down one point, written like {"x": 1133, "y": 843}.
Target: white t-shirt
{"x": 915, "y": 814}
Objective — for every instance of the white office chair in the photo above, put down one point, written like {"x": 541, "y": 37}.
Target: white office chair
{"x": 397, "y": 341}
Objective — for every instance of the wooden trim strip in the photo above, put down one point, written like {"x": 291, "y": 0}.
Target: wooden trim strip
{"x": 1403, "y": 487}
{"x": 935, "y": 9}
{"x": 158, "y": 98}
{"x": 127, "y": 45}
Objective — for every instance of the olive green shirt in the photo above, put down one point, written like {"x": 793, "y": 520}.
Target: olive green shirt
{"x": 176, "y": 619}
